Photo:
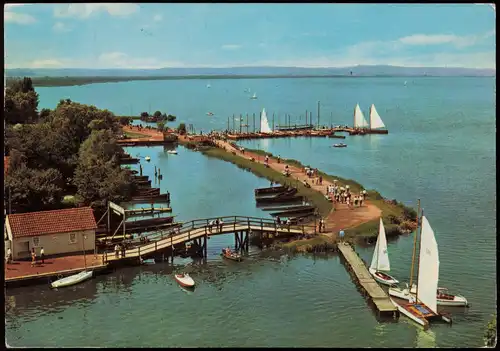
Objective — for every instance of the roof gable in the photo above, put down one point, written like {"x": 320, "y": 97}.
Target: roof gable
{"x": 51, "y": 222}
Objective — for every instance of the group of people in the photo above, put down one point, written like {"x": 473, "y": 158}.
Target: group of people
{"x": 344, "y": 195}
{"x": 288, "y": 222}
{"x": 120, "y": 249}
{"x": 219, "y": 223}
{"x": 321, "y": 225}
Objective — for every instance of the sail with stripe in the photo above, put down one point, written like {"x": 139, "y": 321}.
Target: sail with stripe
{"x": 375, "y": 120}
{"x": 359, "y": 118}
{"x": 428, "y": 268}
{"x": 264, "y": 124}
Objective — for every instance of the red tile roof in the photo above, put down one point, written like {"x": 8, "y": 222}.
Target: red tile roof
{"x": 51, "y": 222}
{"x": 5, "y": 164}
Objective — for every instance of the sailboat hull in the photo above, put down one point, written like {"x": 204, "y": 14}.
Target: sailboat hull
{"x": 457, "y": 301}
{"x": 377, "y": 131}
{"x": 383, "y": 278}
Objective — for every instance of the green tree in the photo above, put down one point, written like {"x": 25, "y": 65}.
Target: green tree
{"x": 157, "y": 114}
{"x": 171, "y": 118}
{"x": 181, "y": 129}
{"x": 20, "y": 107}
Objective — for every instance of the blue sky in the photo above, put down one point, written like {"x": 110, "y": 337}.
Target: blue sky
{"x": 225, "y": 35}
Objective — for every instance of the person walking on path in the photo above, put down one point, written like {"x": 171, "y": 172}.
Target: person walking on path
{"x": 33, "y": 257}
{"x": 42, "y": 255}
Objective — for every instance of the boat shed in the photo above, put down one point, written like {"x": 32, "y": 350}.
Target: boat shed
{"x": 58, "y": 232}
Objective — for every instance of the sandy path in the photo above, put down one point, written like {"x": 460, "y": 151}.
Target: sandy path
{"x": 341, "y": 217}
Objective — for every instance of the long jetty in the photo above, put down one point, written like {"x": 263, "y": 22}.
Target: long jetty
{"x": 368, "y": 286}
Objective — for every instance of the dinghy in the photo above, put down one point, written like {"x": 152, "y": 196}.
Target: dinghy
{"x": 147, "y": 158}
{"x": 184, "y": 280}
{"x": 72, "y": 279}
{"x": 254, "y": 97}
{"x": 380, "y": 260}
{"x": 443, "y": 297}
{"x": 231, "y": 255}
{"x": 148, "y": 261}
{"x": 422, "y": 307}
{"x": 340, "y": 145}
{"x": 172, "y": 152}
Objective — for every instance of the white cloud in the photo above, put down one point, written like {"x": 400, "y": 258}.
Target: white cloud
{"x": 85, "y": 10}
{"x": 60, "y": 27}
{"x": 230, "y": 47}
{"x": 19, "y": 18}
{"x": 437, "y": 39}
{"x": 157, "y": 18}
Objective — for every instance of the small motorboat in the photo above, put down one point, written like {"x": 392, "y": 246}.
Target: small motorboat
{"x": 148, "y": 261}
{"x": 172, "y": 152}
{"x": 339, "y": 145}
{"x": 443, "y": 297}
{"x": 231, "y": 255}
{"x": 210, "y": 114}
{"x": 72, "y": 279}
{"x": 254, "y": 97}
{"x": 184, "y": 280}
{"x": 147, "y": 158}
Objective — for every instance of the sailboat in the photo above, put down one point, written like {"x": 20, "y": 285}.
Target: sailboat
{"x": 376, "y": 124}
{"x": 264, "y": 124}
{"x": 422, "y": 308}
{"x": 75, "y": 278}
{"x": 254, "y": 96}
{"x": 359, "y": 118}
{"x": 380, "y": 260}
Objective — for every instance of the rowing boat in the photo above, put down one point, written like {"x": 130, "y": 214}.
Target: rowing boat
{"x": 270, "y": 190}
{"x": 184, "y": 280}
{"x": 72, "y": 279}
{"x": 231, "y": 256}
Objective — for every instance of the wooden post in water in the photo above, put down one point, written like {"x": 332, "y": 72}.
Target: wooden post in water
{"x": 414, "y": 246}
{"x": 318, "y": 113}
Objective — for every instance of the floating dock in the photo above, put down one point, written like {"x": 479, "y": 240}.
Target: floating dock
{"x": 367, "y": 284}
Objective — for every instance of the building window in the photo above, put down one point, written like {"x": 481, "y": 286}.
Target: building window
{"x": 72, "y": 238}
{"x": 36, "y": 241}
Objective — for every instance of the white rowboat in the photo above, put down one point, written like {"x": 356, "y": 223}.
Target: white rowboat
{"x": 147, "y": 158}
{"x": 184, "y": 280}
{"x": 72, "y": 279}
{"x": 172, "y": 152}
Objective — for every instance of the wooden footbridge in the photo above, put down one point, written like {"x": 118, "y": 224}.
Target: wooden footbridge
{"x": 368, "y": 286}
{"x": 201, "y": 229}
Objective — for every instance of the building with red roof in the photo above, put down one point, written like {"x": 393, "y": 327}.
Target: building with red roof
{"x": 58, "y": 232}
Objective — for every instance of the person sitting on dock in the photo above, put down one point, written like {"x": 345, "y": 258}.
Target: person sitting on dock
{"x": 221, "y": 224}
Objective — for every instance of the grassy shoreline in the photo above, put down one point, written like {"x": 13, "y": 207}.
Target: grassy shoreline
{"x": 398, "y": 218}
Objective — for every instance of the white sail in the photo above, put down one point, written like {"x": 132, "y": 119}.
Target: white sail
{"x": 359, "y": 118}
{"x": 380, "y": 259}
{"x": 375, "y": 120}
{"x": 264, "y": 124}
{"x": 428, "y": 268}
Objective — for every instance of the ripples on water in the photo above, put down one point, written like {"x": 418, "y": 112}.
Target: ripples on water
{"x": 440, "y": 148}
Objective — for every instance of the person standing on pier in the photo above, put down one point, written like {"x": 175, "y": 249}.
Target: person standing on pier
{"x": 33, "y": 257}
{"x": 117, "y": 250}
{"x": 221, "y": 224}
{"x": 364, "y": 194}
{"x": 42, "y": 255}
{"x": 341, "y": 235}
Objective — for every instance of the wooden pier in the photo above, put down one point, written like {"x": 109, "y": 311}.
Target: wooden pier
{"x": 147, "y": 211}
{"x": 367, "y": 284}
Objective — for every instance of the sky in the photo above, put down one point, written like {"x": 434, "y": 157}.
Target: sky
{"x": 158, "y": 35}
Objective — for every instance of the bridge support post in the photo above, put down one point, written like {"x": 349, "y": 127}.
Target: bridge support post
{"x": 205, "y": 248}
{"x": 247, "y": 240}
{"x": 236, "y": 241}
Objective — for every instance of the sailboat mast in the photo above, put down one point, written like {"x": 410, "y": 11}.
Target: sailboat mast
{"x": 414, "y": 247}
{"x": 418, "y": 264}
{"x": 354, "y": 125}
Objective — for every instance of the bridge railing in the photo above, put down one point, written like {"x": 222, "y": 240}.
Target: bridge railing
{"x": 184, "y": 231}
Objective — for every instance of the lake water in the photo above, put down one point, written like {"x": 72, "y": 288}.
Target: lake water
{"x": 441, "y": 149}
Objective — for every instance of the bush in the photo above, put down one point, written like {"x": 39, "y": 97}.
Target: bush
{"x": 160, "y": 126}
{"x": 490, "y": 336}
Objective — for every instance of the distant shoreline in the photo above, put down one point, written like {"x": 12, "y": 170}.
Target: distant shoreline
{"x": 79, "y": 80}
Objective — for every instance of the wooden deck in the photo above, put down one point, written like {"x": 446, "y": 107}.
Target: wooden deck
{"x": 200, "y": 228}
{"x": 368, "y": 284}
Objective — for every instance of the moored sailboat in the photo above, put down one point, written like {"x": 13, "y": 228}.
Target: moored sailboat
{"x": 380, "y": 260}
{"x": 422, "y": 307}
{"x": 376, "y": 123}
{"x": 359, "y": 118}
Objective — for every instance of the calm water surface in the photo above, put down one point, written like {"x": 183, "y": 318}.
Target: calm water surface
{"x": 440, "y": 149}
